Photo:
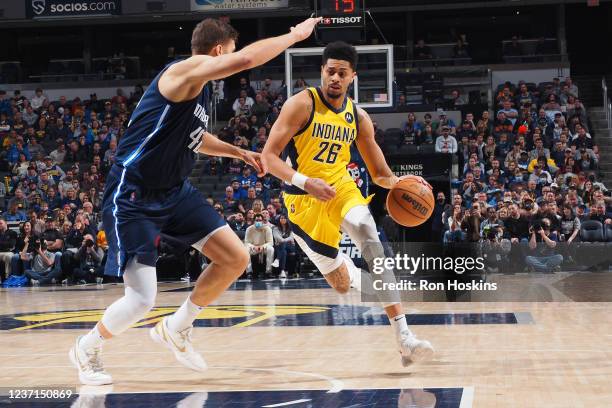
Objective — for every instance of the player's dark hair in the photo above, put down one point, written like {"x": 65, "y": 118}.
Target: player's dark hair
{"x": 209, "y": 33}
{"x": 341, "y": 51}
{"x": 258, "y": 216}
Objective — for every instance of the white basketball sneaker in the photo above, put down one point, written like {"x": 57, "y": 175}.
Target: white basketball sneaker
{"x": 91, "y": 371}
{"x": 414, "y": 350}
{"x": 180, "y": 344}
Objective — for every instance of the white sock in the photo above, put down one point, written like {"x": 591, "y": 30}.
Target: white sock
{"x": 92, "y": 339}
{"x": 399, "y": 325}
{"x": 184, "y": 316}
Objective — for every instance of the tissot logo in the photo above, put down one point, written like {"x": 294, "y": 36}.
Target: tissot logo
{"x": 342, "y": 20}
{"x": 38, "y": 6}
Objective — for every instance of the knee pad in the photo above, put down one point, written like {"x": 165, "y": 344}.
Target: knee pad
{"x": 140, "y": 302}
{"x": 140, "y": 292}
{"x": 359, "y": 224}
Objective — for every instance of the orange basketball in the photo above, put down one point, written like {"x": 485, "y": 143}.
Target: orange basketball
{"x": 410, "y": 203}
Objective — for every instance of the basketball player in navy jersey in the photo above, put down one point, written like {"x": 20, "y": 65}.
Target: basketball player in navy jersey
{"x": 147, "y": 195}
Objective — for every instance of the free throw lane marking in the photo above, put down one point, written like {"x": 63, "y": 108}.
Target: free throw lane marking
{"x": 284, "y": 404}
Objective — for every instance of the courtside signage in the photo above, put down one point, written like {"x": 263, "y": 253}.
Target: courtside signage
{"x": 229, "y": 5}
{"x": 71, "y": 8}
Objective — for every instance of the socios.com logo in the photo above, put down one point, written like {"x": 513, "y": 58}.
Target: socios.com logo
{"x": 38, "y": 6}
{"x": 209, "y": 2}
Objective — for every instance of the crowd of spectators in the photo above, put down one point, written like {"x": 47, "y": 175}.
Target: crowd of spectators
{"x": 528, "y": 174}
{"x": 252, "y": 206}
{"x": 55, "y": 158}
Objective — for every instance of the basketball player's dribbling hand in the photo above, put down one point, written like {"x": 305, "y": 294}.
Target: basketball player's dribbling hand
{"x": 319, "y": 189}
{"x": 303, "y": 30}
{"x": 418, "y": 179}
{"x": 254, "y": 159}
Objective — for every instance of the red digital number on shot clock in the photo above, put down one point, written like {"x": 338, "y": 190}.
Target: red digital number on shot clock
{"x": 345, "y": 6}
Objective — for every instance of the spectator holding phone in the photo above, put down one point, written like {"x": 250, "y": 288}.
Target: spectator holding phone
{"x": 455, "y": 232}
{"x": 471, "y": 222}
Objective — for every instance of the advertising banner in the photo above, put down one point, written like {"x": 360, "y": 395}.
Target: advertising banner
{"x": 71, "y": 8}
{"x": 237, "y": 5}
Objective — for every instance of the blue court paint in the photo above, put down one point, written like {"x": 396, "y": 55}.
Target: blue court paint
{"x": 369, "y": 398}
{"x": 258, "y": 316}
{"x": 461, "y": 318}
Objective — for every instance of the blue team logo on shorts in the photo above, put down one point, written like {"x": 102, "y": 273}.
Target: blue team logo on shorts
{"x": 348, "y": 117}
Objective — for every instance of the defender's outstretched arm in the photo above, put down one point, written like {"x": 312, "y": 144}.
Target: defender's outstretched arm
{"x": 184, "y": 80}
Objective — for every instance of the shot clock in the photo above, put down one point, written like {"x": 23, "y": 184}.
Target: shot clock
{"x": 342, "y": 20}
{"x": 341, "y": 13}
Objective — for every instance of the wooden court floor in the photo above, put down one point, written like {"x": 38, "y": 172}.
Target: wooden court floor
{"x": 321, "y": 349}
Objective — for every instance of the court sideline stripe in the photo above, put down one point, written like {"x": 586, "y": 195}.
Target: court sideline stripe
{"x": 467, "y": 397}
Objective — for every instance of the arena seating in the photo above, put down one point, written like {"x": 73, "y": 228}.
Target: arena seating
{"x": 478, "y": 147}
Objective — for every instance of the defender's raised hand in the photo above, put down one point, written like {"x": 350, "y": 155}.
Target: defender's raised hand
{"x": 303, "y": 30}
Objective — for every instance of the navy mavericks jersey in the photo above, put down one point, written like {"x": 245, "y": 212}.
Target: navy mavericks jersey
{"x": 158, "y": 148}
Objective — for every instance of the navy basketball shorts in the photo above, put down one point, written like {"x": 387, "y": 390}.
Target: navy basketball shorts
{"x": 135, "y": 218}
